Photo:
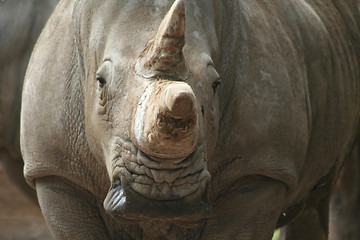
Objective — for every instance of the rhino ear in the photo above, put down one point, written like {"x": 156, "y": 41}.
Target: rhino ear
{"x": 163, "y": 55}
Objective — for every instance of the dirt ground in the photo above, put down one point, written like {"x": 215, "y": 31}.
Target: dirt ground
{"x": 20, "y": 219}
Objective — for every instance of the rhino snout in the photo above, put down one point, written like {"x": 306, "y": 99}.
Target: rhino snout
{"x": 166, "y": 122}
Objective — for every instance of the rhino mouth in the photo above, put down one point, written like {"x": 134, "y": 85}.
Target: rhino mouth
{"x": 145, "y": 187}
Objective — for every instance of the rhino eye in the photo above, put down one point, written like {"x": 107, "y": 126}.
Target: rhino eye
{"x": 101, "y": 81}
{"x": 215, "y": 84}
{"x": 104, "y": 74}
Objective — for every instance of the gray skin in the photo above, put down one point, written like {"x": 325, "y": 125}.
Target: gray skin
{"x": 21, "y": 22}
{"x": 127, "y": 134}
{"x": 345, "y": 201}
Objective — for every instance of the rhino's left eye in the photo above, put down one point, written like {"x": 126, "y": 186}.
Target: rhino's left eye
{"x": 101, "y": 81}
{"x": 215, "y": 84}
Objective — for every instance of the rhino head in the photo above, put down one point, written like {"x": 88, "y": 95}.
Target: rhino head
{"x": 153, "y": 119}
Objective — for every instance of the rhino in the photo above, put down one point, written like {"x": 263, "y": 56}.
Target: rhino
{"x": 191, "y": 119}
{"x": 21, "y": 22}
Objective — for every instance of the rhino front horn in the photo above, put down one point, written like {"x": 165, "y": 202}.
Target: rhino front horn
{"x": 163, "y": 55}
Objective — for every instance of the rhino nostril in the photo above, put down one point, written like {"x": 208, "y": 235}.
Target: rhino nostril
{"x": 180, "y": 100}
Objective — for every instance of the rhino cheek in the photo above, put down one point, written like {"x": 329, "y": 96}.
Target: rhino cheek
{"x": 208, "y": 120}
{"x": 98, "y": 129}
{"x": 212, "y": 127}
{"x": 94, "y": 139}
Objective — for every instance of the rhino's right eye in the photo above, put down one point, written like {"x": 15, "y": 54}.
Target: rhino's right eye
{"x": 104, "y": 74}
{"x": 101, "y": 81}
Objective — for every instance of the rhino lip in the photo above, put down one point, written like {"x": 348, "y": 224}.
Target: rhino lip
{"x": 136, "y": 178}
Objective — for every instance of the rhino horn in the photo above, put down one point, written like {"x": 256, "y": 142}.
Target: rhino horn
{"x": 163, "y": 55}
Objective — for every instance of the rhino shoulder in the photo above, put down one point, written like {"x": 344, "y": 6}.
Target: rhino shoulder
{"x": 52, "y": 116}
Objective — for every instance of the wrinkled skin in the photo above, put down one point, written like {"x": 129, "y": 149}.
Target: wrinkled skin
{"x": 21, "y": 22}
{"x": 127, "y": 133}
